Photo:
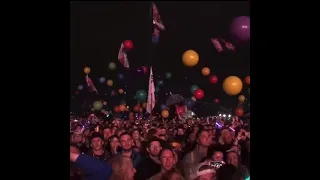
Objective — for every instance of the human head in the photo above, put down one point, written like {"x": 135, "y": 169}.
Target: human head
{"x": 126, "y": 141}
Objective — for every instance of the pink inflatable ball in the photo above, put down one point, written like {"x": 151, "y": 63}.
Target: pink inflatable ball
{"x": 240, "y": 28}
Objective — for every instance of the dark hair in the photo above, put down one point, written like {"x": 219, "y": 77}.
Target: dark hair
{"x": 214, "y": 148}
{"x": 164, "y": 149}
{"x": 200, "y": 131}
{"x": 106, "y": 127}
{"x": 152, "y": 132}
{"x": 168, "y": 175}
{"x": 124, "y": 133}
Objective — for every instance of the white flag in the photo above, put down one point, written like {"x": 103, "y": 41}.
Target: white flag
{"x": 151, "y": 98}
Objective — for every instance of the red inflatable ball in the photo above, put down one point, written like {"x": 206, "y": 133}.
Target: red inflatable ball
{"x": 247, "y": 80}
{"x": 198, "y": 94}
{"x": 239, "y": 112}
{"x": 216, "y": 100}
{"x": 127, "y": 45}
{"x": 213, "y": 79}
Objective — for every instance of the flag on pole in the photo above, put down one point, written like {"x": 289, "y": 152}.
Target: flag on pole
{"x": 151, "y": 98}
{"x": 157, "y": 24}
{"x": 90, "y": 85}
{"x": 122, "y": 57}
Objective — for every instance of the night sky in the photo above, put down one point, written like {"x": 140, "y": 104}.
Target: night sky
{"x": 97, "y": 30}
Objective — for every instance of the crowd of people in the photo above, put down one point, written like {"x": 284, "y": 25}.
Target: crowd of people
{"x": 195, "y": 149}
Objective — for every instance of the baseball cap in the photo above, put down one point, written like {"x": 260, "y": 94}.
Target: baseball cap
{"x": 200, "y": 169}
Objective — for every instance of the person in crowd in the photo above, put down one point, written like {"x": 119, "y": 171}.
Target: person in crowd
{"x": 167, "y": 160}
{"x": 202, "y": 171}
{"x": 92, "y": 167}
{"x": 78, "y": 138}
{"x": 122, "y": 169}
{"x": 126, "y": 145}
{"x": 106, "y": 133}
{"x": 113, "y": 147}
{"x": 136, "y": 138}
{"x": 150, "y": 165}
{"x": 234, "y": 159}
{"x": 97, "y": 147}
{"x": 195, "y": 156}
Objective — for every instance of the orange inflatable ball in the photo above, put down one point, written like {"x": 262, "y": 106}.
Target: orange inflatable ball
{"x": 86, "y": 70}
{"x": 190, "y": 58}
{"x": 205, "y": 71}
{"x": 239, "y": 112}
{"x": 109, "y": 82}
{"x": 122, "y": 108}
{"x": 232, "y": 85}
{"x": 165, "y": 113}
{"x": 241, "y": 98}
{"x": 121, "y": 91}
{"x": 144, "y": 105}
{"x": 116, "y": 109}
{"x": 247, "y": 80}
{"x": 136, "y": 108}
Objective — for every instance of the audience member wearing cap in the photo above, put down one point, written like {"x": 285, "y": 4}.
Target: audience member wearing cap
{"x": 202, "y": 171}
{"x": 151, "y": 165}
{"x": 97, "y": 147}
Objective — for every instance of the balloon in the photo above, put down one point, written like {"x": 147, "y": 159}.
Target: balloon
{"x": 213, "y": 79}
{"x": 216, "y": 100}
{"x": 168, "y": 75}
{"x": 116, "y": 109}
{"x": 122, "y": 107}
{"x": 157, "y": 89}
{"x": 127, "y": 44}
{"x": 165, "y": 113}
{"x": 198, "y": 94}
{"x": 109, "y": 82}
{"x": 239, "y": 112}
{"x": 104, "y": 103}
{"x": 121, "y": 91}
{"x": 193, "y": 98}
{"x": 112, "y": 66}
{"x": 205, "y": 71}
{"x": 102, "y": 79}
{"x": 141, "y": 95}
{"x": 190, "y": 58}
{"x": 241, "y": 98}
{"x": 247, "y": 80}
{"x": 97, "y": 105}
{"x": 240, "y": 28}
{"x": 160, "y": 83}
{"x": 189, "y": 103}
{"x": 80, "y": 87}
{"x": 180, "y": 109}
{"x": 144, "y": 105}
{"x": 120, "y": 76}
{"x": 145, "y": 69}
{"x": 232, "y": 85}
{"x": 193, "y": 88}
{"x": 86, "y": 70}
{"x": 162, "y": 106}
{"x": 136, "y": 108}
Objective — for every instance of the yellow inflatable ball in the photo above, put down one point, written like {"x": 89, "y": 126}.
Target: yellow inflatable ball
{"x": 205, "y": 71}
{"x": 232, "y": 85}
{"x": 86, "y": 70}
{"x": 109, "y": 82}
{"x": 122, "y": 108}
{"x": 165, "y": 113}
{"x": 241, "y": 98}
{"x": 190, "y": 58}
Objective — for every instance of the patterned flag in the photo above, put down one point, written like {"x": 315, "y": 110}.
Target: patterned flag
{"x": 90, "y": 85}
{"x": 228, "y": 45}
{"x": 217, "y": 44}
{"x": 157, "y": 24}
{"x": 122, "y": 57}
{"x": 151, "y": 97}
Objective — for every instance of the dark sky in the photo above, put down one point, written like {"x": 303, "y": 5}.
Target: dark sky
{"x": 97, "y": 30}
